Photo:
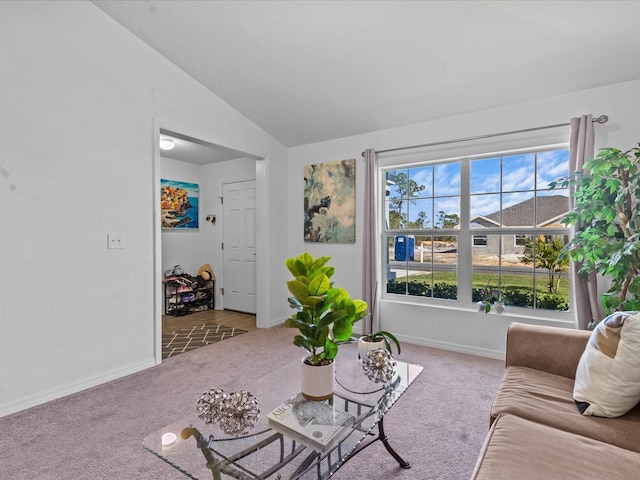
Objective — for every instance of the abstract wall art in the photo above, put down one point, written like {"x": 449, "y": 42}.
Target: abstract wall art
{"x": 330, "y": 202}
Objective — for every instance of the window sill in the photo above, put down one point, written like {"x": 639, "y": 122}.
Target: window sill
{"x": 561, "y": 318}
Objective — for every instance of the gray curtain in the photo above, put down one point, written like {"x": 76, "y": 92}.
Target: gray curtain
{"x": 370, "y": 260}
{"x": 586, "y": 292}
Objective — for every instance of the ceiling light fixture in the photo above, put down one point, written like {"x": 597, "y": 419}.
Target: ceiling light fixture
{"x": 167, "y": 143}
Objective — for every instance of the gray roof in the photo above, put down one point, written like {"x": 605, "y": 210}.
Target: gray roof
{"x": 549, "y": 208}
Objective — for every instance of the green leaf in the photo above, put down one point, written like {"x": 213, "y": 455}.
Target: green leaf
{"x": 386, "y": 336}
{"x": 319, "y": 285}
{"x": 303, "y": 342}
{"x": 361, "y": 307}
{"x": 298, "y": 289}
{"x": 342, "y": 330}
{"x": 314, "y": 300}
{"x": 330, "y": 350}
{"x": 297, "y": 267}
{"x": 318, "y": 266}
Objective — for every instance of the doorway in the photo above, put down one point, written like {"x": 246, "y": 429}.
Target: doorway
{"x": 209, "y": 156}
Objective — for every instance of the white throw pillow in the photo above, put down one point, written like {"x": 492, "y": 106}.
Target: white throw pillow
{"x": 608, "y": 375}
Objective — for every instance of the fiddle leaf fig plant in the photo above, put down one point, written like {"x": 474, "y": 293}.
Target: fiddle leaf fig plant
{"x": 606, "y": 215}
{"x": 324, "y": 314}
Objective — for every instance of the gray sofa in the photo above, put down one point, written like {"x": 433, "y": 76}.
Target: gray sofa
{"x": 536, "y": 431}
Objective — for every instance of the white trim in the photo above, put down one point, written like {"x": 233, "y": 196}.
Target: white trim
{"x": 262, "y": 242}
{"x": 276, "y": 322}
{"x": 453, "y": 347}
{"x": 466, "y": 233}
{"x": 158, "y": 288}
{"x": 554, "y": 219}
{"x": 263, "y": 248}
{"x": 486, "y": 219}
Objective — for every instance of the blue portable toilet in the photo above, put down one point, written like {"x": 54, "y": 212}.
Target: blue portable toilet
{"x": 404, "y": 246}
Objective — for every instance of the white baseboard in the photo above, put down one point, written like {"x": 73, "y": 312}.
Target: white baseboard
{"x": 277, "y": 322}
{"x": 56, "y": 393}
{"x": 454, "y": 347}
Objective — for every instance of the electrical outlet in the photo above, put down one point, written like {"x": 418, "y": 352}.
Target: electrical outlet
{"x": 115, "y": 240}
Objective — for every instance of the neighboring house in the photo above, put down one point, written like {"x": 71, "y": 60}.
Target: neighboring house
{"x": 550, "y": 211}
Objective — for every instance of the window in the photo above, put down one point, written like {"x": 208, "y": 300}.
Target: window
{"x": 479, "y": 240}
{"x": 457, "y": 230}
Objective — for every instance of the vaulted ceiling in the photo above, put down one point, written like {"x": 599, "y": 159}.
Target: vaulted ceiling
{"x": 310, "y": 71}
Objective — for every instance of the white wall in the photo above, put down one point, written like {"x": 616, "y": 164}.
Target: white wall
{"x": 81, "y": 100}
{"x": 455, "y": 329}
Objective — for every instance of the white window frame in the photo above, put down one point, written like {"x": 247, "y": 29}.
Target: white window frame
{"x": 464, "y": 235}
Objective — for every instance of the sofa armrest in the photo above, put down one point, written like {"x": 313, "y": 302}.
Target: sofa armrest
{"x": 550, "y": 349}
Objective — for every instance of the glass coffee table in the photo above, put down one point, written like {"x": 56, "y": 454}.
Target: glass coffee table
{"x": 203, "y": 451}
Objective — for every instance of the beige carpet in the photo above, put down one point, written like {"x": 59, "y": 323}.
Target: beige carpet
{"x": 438, "y": 425}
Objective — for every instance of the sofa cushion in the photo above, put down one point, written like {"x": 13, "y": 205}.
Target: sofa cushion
{"x": 522, "y": 449}
{"x": 548, "y": 399}
{"x": 608, "y": 374}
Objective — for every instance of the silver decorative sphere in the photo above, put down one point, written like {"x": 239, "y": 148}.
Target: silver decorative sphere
{"x": 235, "y": 413}
{"x": 379, "y": 366}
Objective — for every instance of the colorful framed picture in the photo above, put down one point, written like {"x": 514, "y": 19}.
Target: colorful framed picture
{"x": 330, "y": 202}
{"x": 178, "y": 205}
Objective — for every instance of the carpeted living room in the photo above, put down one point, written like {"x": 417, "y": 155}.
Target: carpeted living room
{"x": 98, "y": 433}
{"x": 205, "y": 200}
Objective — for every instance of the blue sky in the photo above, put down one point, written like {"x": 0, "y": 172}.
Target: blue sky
{"x": 516, "y": 176}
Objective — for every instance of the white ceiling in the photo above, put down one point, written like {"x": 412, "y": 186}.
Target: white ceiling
{"x": 309, "y": 71}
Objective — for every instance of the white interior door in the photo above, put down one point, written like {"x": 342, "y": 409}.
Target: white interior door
{"x": 239, "y": 245}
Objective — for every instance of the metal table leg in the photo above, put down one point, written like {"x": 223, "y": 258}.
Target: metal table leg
{"x": 385, "y": 441}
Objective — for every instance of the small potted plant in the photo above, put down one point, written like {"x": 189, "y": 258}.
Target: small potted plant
{"x": 324, "y": 317}
{"x": 488, "y": 297}
{"x": 373, "y": 341}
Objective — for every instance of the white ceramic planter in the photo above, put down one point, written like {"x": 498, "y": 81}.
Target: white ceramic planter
{"x": 317, "y": 382}
{"x": 365, "y": 346}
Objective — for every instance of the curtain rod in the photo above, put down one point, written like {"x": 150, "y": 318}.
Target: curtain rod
{"x": 601, "y": 119}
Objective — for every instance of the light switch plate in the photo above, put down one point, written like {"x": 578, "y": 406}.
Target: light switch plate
{"x": 115, "y": 240}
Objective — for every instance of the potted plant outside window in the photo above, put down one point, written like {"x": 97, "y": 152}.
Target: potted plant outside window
{"x": 324, "y": 317}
